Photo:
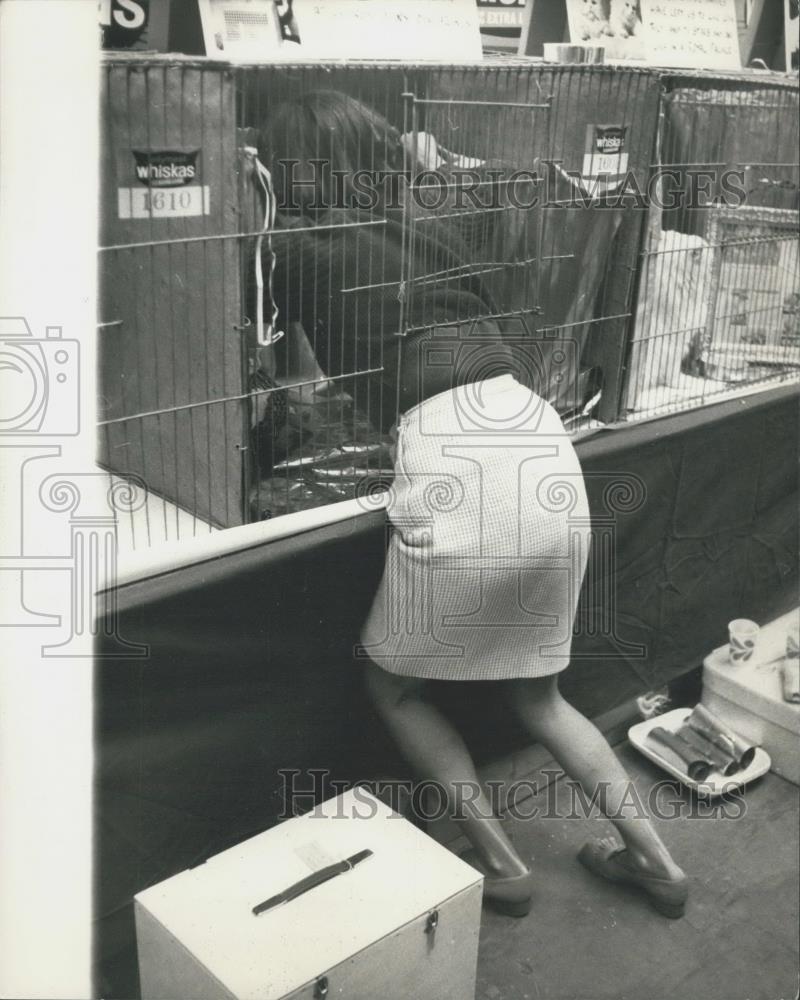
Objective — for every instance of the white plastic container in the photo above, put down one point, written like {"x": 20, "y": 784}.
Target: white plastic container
{"x": 749, "y": 697}
{"x": 402, "y": 923}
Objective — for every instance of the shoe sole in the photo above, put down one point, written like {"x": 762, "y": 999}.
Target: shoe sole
{"x": 509, "y": 907}
{"x": 666, "y": 908}
{"x": 672, "y": 910}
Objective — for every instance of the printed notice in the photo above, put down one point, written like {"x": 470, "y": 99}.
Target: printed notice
{"x": 163, "y": 203}
{"x": 699, "y": 34}
{"x": 389, "y": 29}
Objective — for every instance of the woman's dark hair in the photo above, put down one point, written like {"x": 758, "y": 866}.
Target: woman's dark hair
{"x": 308, "y": 138}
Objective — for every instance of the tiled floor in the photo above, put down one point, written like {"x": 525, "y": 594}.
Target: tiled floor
{"x": 589, "y": 940}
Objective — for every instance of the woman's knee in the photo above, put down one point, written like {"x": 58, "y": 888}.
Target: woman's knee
{"x": 535, "y": 694}
{"x": 390, "y": 690}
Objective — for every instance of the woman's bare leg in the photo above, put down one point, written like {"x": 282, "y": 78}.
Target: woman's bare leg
{"x": 585, "y": 755}
{"x": 436, "y": 751}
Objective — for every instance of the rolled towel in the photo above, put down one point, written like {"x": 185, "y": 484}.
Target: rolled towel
{"x": 697, "y": 767}
{"x": 723, "y": 762}
{"x": 715, "y": 730}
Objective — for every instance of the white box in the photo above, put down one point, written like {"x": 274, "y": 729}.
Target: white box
{"x": 364, "y": 934}
{"x": 748, "y": 696}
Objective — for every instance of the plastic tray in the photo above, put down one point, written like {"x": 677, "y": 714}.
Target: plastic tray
{"x": 715, "y": 784}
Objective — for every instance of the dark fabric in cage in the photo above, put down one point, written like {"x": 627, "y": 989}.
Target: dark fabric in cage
{"x": 441, "y": 279}
{"x": 708, "y": 130}
{"x": 347, "y": 288}
{"x": 588, "y": 255}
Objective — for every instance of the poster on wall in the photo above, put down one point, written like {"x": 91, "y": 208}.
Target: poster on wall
{"x": 134, "y": 25}
{"x": 240, "y": 29}
{"x": 388, "y": 29}
{"x": 696, "y": 34}
{"x": 615, "y": 25}
{"x": 501, "y": 23}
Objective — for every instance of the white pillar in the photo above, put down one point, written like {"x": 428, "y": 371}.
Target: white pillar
{"x": 48, "y": 234}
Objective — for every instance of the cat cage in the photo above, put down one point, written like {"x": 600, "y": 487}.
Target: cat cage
{"x": 718, "y": 306}
{"x": 218, "y": 429}
{"x": 172, "y": 383}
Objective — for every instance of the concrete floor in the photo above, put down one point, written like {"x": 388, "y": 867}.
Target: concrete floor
{"x": 588, "y": 940}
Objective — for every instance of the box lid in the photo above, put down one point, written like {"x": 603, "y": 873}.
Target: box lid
{"x": 209, "y": 908}
{"x": 756, "y": 684}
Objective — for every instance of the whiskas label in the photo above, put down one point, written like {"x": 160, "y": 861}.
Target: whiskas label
{"x": 609, "y": 138}
{"x": 165, "y": 168}
{"x": 605, "y": 157}
{"x": 164, "y": 186}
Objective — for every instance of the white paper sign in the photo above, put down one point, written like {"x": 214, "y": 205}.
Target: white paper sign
{"x": 163, "y": 203}
{"x": 240, "y": 29}
{"x": 698, "y": 34}
{"x": 389, "y": 29}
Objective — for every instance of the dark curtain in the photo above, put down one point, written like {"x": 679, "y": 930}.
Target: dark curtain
{"x": 711, "y": 130}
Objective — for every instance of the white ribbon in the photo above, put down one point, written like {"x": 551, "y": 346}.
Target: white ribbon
{"x": 266, "y": 334}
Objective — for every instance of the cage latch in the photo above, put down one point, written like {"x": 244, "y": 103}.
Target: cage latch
{"x": 430, "y": 926}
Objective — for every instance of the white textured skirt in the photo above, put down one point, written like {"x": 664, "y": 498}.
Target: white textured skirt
{"x": 490, "y": 537}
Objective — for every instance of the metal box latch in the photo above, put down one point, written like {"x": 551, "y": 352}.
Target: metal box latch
{"x": 431, "y": 924}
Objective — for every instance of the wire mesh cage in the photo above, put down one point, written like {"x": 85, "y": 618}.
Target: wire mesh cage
{"x": 283, "y": 244}
{"x": 717, "y": 310}
{"x": 496, "y": 226}
{"x": 171, "y": 382}
{"x": 320, "y": 398}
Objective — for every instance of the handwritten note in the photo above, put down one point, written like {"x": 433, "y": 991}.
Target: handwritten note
{"x": 389, "y": 29}
{"x": 699, "y": 34}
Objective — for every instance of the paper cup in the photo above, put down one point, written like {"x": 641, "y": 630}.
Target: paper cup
{"x": 742, "y": 634}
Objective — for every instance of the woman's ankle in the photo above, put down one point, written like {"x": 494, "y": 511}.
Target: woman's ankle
{"x": 497, "y": 868}
{"x": 507, "y": 869}
{"x": 654, "y": 859}
{"x": 495, "y": 859}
